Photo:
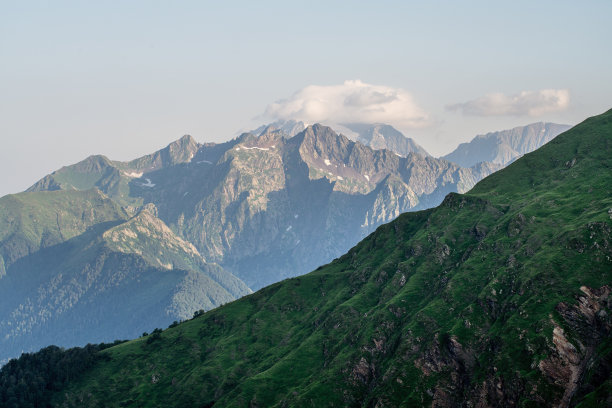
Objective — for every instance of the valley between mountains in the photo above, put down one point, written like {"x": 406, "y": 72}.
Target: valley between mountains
{"x": 104, "y": 250}
{"x": 497, "y": 297}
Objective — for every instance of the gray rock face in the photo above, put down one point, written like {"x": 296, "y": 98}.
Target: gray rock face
{"x": 289, "y": 128}
{"x": 380, "y": 136}
{"x": 505, "y": 146}
{"x": 377, "y": 136}
{"x": 271, "y": 206}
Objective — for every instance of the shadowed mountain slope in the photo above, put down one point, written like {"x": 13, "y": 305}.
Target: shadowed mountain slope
{"x": 77, "y": 269}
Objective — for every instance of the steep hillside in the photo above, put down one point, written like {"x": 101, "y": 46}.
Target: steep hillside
{"x": 33, "y": 221}
{"x": 94, "y": 274}
{"x": 505, "y": 146}
{"x": 500, "y": 297}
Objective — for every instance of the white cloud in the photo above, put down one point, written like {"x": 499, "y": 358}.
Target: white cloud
{"x": 351, "y": 102}
{"x": 525, "y": 103}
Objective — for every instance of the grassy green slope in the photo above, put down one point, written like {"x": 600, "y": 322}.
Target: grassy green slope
{"x": 474, "y": 300}
{"x": 31, "y": 221}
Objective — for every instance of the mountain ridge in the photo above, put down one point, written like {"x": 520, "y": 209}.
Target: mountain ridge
{"x": 242, "y": 187}
{"x": 498, "y": 297}
{"x": 230, "y": 217}
{"x": 382, "y": 136}
{"x": 503, "y": 147}
{"x": 68, "y": 280}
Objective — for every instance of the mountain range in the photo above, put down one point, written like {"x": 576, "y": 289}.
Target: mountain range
{"x": 269, "y": 206}
{"x": 193, "y": 226}
{"x": 505, "y": 146}
{"x": 497, "y": 297}
{"x": 499, "y": 148}
{"x": 377, "y": 136}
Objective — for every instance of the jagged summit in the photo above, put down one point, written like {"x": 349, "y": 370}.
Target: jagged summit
{"x": 377, "y": 136}
{"x": 381, "y": 136}
{"x": 258, "y": 203}
{"x": 289, "y": 128}
{"x": 179, "y": 151}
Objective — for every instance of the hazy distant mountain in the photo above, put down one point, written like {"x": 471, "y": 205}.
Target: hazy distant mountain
{"x": 380, "y": 136}
{"x": 271, "y": 206}
{"x": 505, "y": 146}
{"x": 288, "y": 127}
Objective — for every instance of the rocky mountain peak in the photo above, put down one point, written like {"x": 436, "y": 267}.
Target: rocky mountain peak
{"x": 319, "y": 142}
{"x": 288, "y": 127}
{"x": 322, "y": 135}
{"x": 145, "y": 231}
{"x": 177, "y": 152}
{"x": 150, "y": 208}
{"x": 380, "y": 136}
{"x": 182, "y": 150}
{"x": 96, "y": 162}
{"x": 505, "y": 146}
{"x": 271, "y": 130}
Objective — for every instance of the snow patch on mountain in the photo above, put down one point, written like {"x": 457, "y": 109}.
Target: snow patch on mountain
{"x": 148, "y": 183}
{"x": 254, "y": 147}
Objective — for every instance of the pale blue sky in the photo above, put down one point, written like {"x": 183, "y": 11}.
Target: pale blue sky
{"x": 126, "y": 78}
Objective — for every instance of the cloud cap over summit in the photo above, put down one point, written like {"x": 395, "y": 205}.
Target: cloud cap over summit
{"x": 351, "y": 102}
